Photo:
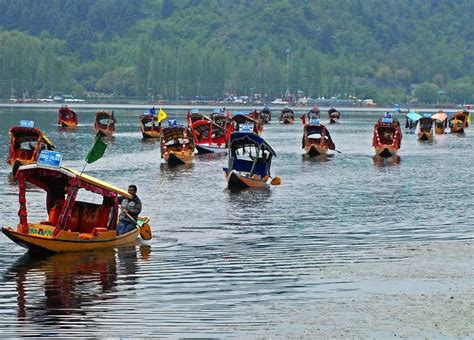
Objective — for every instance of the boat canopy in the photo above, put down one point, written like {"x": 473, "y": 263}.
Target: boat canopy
{"x": 242, "y": 139}
{"x": 104, "y": 115}
{"x": 413, "y": 116}
{"x": 441, "y": 116}
{"x": 47, "y": 177}
{"x": 22, "y": 134}
{"x": 314, "y": 129}
{"x": 26, "y": 144}
{"x": 175, "y": 132}
{"x": 66, "y": 112}
{"x": 203, "y": 127}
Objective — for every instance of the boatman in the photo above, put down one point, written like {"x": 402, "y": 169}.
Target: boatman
{"x": 130, "y": 208}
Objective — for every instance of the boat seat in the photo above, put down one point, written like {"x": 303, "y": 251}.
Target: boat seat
{"x": 87, "y": 216}
{"x": 246, "y": 166}
{"x": 24, "y": 154}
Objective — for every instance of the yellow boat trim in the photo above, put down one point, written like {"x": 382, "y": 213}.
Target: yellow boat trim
{"x": 63, "y": 244}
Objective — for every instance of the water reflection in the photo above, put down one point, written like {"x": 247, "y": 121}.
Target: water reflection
{"x": 382, "y": 162}
{"x": 208, "y": 157}
{"x": 183, "y": 168}
{"x": 51, "y": 287}
{"x": 317, "y": 159}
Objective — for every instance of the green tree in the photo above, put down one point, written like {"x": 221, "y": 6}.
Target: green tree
{"x": 426, "y": 93}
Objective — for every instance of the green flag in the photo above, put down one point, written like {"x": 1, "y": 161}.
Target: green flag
{"x": 97, "y": 150}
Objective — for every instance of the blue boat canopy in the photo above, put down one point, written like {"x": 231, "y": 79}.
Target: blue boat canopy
{"x": 413, "y": 116}
{"x": 238, "y": 139}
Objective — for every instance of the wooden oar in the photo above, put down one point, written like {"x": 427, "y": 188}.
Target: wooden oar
{"x": 145, "y": 228}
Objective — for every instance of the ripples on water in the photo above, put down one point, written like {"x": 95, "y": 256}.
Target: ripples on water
{"x": 219, "y": 259}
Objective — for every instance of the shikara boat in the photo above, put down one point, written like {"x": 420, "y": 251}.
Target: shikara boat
{"x": 250, "y": 160}
{"x": 177, "y": 144}
{"x": 440, "y": 121}
{"x": 387, "y": 137}
{"x": 316, "y": 138}
{"x": 334, "y": 116}
{"x": 287, "y": 116}
{"x": 26, "y": 143}
{"x": 208, "y": 136}
{"x": 425, "y": 129}
{"x": 67, "y": 118}
{"x": 411, "y": 121}
{"x": 71, "y": 225}
{"x": 105, "y": 123}
{"x": 459, "y": 121}
{"x": 242, "y": 119}
{"x": 149, "y": 126}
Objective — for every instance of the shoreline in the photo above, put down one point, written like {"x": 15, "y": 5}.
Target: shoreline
{"x": 211, "y": 107}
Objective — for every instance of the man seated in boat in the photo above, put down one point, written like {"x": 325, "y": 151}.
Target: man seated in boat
{"x": 130, "y": 208}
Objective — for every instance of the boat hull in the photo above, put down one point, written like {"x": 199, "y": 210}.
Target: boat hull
{"x": 205, "y": 148}
{"x": 236, "y": 180}
{"x": 68, "y": 124}
{"x": 178, "y": 158}
{"x": 386, "y": 151}
{"x": 314, "y": 150}
{"x": 150, "y": 134}
{"x": 425, "y": 136}
{"x": 67, "y": 241}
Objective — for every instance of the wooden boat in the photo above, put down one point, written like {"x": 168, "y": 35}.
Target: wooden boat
{"x": 208, "y": 136}
{"x": 177, "y": 144}
{"x": 72, "y": 225}
{"x": 287, "y": 116}
{"x": 250, "y": 160}
{"x": 440, "y": 122}
{"x": 387, "y": 137}
{"x": 67, "y": 118}
{"x": 459, "y": 121}
{"x": 425, "y": 128}
{"x": 26, "y": 143}
{"x": 242, "y": 119}
{"x": 316, "y": 138}
{"x": 411, "y": 121}
{"x": 149, "y": 126}
{"x": 105, "y": 123}
{"x": 334, "y": 116}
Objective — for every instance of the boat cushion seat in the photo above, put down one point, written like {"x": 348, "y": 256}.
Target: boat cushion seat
{"x": 87, "y": 216}
{"x": 246, "y": 166}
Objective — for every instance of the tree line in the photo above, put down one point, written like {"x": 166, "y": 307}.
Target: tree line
{"x": 391, "y": 51}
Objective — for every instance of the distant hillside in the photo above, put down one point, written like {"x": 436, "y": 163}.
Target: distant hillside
{"x": 380, "y": 49}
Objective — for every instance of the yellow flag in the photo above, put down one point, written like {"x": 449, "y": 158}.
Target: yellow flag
{"x": 161, "y": 115}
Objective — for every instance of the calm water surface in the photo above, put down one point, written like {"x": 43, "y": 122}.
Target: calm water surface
{"x": 220, "y": 260}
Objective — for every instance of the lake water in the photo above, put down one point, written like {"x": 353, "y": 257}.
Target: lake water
{"x": 219, "y": 261}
